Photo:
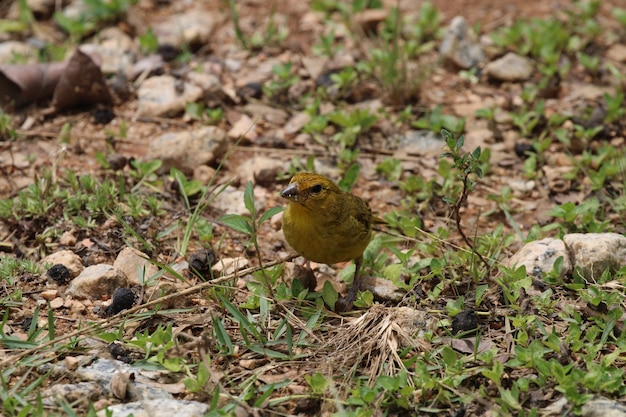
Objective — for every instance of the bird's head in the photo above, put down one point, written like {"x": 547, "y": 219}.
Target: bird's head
{"x": 308, "y": 187}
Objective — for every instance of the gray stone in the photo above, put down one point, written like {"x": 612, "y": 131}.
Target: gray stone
{"x": 460, "y": 45}
{"x": 82, "y": 392}
{"x": 603, "y": 407}
{"x": 421, "y": 142}
{"x": 115, "y": 48}
{"x": 230, "y": 201}
{"x": 133, "y": 263}
{"x": 539, "y": 257}
{"x": 595, "y": 253}
{"x": 67, "y": 258}
{"x": 102, "y": 371}
{"x": 511, "y": 67}
{"x": 97, "y": 281}
{"x": 194, "y": 26}
{"x": 187, "y": 149}
{"x": 382, "y": 289}
{"x": 157, "y": 408}
{"x": 164, "y": 95}
{"x": 12, "y": 50}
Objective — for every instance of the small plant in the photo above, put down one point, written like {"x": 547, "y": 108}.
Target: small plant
{"x": 277, "y": 89}
{"x": 436, "y": 121}
{"x": 250, "y": 225}
{"x": 197, "y": 111}
{"x": 148, "y": 42}
{"x": 96, "y": 13}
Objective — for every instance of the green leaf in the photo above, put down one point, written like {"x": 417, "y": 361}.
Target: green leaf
{"x": 222, "y": 335}
{"x": 239, "y": 317}
{"x": 248, "y": 199}
{"x": 364, "y": 299}
{"x": 237, "y": 222}
{"x": 269, "y": 213}
{"x": 329, "y": 295}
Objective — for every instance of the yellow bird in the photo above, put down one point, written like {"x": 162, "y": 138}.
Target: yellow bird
{"x": 325, "y": 224}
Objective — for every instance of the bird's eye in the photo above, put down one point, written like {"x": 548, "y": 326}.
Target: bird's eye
{"x": 316, "y": 189}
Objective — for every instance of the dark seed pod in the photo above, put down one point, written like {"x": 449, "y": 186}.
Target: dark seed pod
{"x": 59, "y": 274}
{"x": 123, "y": 299}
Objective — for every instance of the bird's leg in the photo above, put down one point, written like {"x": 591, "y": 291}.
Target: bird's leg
{"x": 346, "y": 303}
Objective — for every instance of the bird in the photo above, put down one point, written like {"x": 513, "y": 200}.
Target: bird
{"x": 325, "y": 224}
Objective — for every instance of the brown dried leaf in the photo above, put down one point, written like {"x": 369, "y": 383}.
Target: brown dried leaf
{"x": 81, "y": 83}
{"x": 23, "y": 84}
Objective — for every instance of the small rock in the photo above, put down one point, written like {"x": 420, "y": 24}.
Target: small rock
{"x": 460, "y": 45}
{"x": 226, "y": 266}
{"x": 369, "y": 19}
{"x": 71, "y": 362}
{"x": 80, "y": 393}
{"x": 478, "y": 138}
{"x": 156, "y": 408}
{"x": 77, "y": 308}
{"x": 603, "y": 407}
{"x": 57, "y": 303}
{"x": 193, "y": 27}
{"x": 556, "y": 178}
{"x": 116, "y": 50}
{"x": 314, "y": 65}
{"x": 164, "y": 288}
{"x": 10, "y": 50}
{"x": 230, "y": 201}
{"x": 539, "y": 257}
{"x": 260, "y": 167}
{"x": 49, "y": 294}
{"x": 65, "y": 257}
{"x": 617, "y": 53}
{"x": 244, "y": 127}
{"x": 97, "y": 281}
{"x": 203, "y": 173}
{"x": 68, "y": 238}
{"x": 200, "y": 263}
{"x": 188, "y": 149}
{"x": 165, "y": 95}
{"x": 209, "y": 83}
{"x": 263, "y": 111}
{"x": 135, "y": 264}
{"x": 595, "y": 253}
{"x": 511, "y": 67}
{"x": 420, "y": 142}
{"x": 297, "y": 122}
{"x": 382, "y": 289}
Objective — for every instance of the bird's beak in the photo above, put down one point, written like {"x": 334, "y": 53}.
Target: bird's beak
{"x": 291, "y": 192}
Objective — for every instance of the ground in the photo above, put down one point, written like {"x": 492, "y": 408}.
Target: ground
{"x": 552, "y": 162}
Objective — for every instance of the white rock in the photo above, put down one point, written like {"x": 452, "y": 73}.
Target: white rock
{"x": 97, "y": 281}
{"x": 163, "y": 96}
{"x": 460, "y": 45}
{"x": 230, "y": 201}
{"x": 511, "y": 67}
{"x": 65, "y": 257}
{"x": 157, "y": 408}
{"x": 194, "y": 26}
{"x": 596, "y": 252}
{"x": 260, "y": 166}
{"x": 187, "y": 149}
{"x": 539, "y": 257}
{"x": 134, "y": 263}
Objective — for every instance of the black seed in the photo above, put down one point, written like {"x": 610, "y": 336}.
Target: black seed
{"x": 465, "y": 321}
{"x": 123, "y": 299}
{"x": 59, "y": 274}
